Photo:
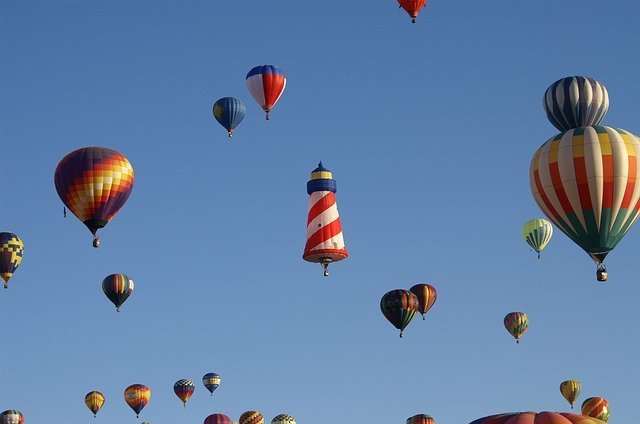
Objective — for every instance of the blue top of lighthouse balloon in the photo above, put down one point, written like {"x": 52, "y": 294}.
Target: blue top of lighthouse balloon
{"x": 321, "y": 180}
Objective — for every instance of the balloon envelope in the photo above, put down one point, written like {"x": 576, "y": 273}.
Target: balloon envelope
{"x": 184, "y": 388}
{"x": 399, "y": 307}
{"x": 94, "y": 401}
{"x": 426, "y": 295}
{"x": 283, "y": 419}
{"x": 11, "y": 253}
{"x": 516, "y": 323}
{"x": 11, "y": 416}
{"x": 211, "y": 381}
{"x": 570, "y": 390}
{"x": 229, "y": 112}
{"x": 217, "y": 419}
{"x": 266, "y": 84}
{"x": 596, "y": 407}
{"x": 576, "y": 101}
{"x": 118, "y": 288}
{"x": 533, "y": 417}
{"x": 412, "y": 7}
{"x": 537, "y": 233}
{"x": 251, "y": 417}
{"x": 137, "y": 396}
{"x": 421, "y": 419}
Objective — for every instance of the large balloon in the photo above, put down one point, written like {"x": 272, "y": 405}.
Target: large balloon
{"x": 586, "y": 181}
{"x": 94, "y": 183}
{"x": 283, "y": 419}
{"x": 537, "y": 233}
{"x": 211, "y": 381}
{"x": 540, "y": 417}
{"x": 137, "y": 396}
{"x": 11, "y": 253}
{"x": 516, "y": 323}
{"x": 184, "y": 388}
{"x": 412, "y": 7}
{"x": 94, "y": 401}
{"x": 11, "y": 416}
{"x": 574, "y": 102}
{"x": 266, "y": 84}
{"x": 217, "y": 419}
{"x": 251, "y": 417}
{"x": 596, "y": 407}
{"x": 426, "y": 295}
{"x": 399, "y": 307}
{"x": 118, "y": 288}
{"x": 421, "y": 419}
{"x": 570, "y": 389}
{"x": 229, "y": 112}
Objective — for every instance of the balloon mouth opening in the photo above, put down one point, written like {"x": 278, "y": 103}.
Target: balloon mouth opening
{"x": 95, "y": 224}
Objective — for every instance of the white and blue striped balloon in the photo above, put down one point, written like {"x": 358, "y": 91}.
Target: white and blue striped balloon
{"x": 574, "y": 102}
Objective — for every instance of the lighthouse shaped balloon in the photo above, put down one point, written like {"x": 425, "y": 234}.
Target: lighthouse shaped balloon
{"x": 325, "y": 243}
{"x": 586, "y": 179}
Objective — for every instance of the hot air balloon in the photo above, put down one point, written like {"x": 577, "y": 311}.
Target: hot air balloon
{"x": 11, "y": 253}
{"x": 516, "y": 323}
{"x": 283, "y": 419}
{"x": 137, "y": 396}
{"x": 94, "y": 183}
{"x": 576, "y": 101}
{"x": 11, "y": 416}
{"x": 399, "y": 307}
{"x": 217, "y": 419}
{"x": 540, "y": 417}
{"x": 596, "y": 407}
{"x": 229, "y": 112}
{"x": 586, "y": 181}
{"x": 426, "y": 295}
{"x": 570, "y": 389}
{"x": 118, "y": 288}
{"x": 251, "y": 417}
{"x": 266, "y": 84}
{"x": 537, "y": 233}
{"x": 412, "y": 7}
{"x": 94, "y": 401}
{"x": 184, "y": 388}
{"x": 421, "y": 419}
{"x": 211, "y": 381}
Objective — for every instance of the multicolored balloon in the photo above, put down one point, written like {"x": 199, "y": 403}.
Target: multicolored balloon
{"x": 118, "y": 288}
{"x": 211, "y": 381}
{"x": 94, "y": 401}
{"x": 540, "y": 417}
{"x": 283, "y": 419}
{"x": 537, "y": 233}
{"x": 570, "y": 390}
{"x": 399, "y": 307}
{"x": 137, "y": 396}
{"x": 217, "y": 419}
{"x": 11, "y": 416}
{"x": 426, "y": 295}
{"x": 421, "y": 419}
{"x": 596, "y": 407}
{"x": 11, "y": 253}
{"x": 412, "y": 7}
{"x": 184, "y": 388}
{"x": 229, "y": 112}
{"x": 574, "y": 102}
{"x": 516, "y": 323}
{"x": 251, "y": 417}
{"x": 266, "y": 84}
{"x": 587, "y": 182}
{"x": 94, "y": 183}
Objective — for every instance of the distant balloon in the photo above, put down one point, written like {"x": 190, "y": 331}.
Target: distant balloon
{"x": 11, "y": 253}
{"x": 94, "y": 401}
{"x": 118, "y": 288}
{"x": 516, "y": 323}
{"x": 533, "y": 417}
{"x": 229, "y": 112}
{"x": 283, "y": 419}
{"x": 574, "y": 102}
{"x": 251, "y": 417}
{"x": 537, "y": 233}
{"x": 211, "y": 381}
{"x": 266, "y": 84}
{"x": 94, "y": 183}
{"x": 421, "y": 419}
{"x": 427, "y": 296}
{"x": 137, "y": 396}
{"x": 596, "y": 407}
{"x": 399, "y": 307}
{"x": 412, "y": 7}
{"x": 570, "y": 390}
{"x": 11, "y": 416}
{"x": 184, "y": 388}
{"x": 217, "y": 419}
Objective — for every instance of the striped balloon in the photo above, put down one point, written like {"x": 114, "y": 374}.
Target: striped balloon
{"x": 11, "y": 416}
{"x": 586, "y": 182}
{"x": 537, "y": 233}
{"x": 283, "y": 419}
{"x": 575, "y": 102}
{"x": 118, "y": 288}
{"x": 137, "y": 396}
{"x": 211, "y": 381}
{"x": 570, "y": 390}
{"x": 11, "y": 253}
{"x": 266, "y": 84}
{"x": 596, "y": 407}
{"x": 399, "y": 307}
{"x": 217, "y": 419}
{"x": 426, "y": 295}
{"x": 540, "y": 417}
{"x": 421, "y": 419}
{"x": 184, "y": 388}
{"x": 229, "y": 112}
{"x": 412, "y": 7}
{"x": 251, "y": 417}
{"x": 516, "y": 323}
{"x": 94, "y": 401}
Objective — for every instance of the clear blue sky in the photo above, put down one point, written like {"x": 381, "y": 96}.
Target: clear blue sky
{"x": 428, "y": 128}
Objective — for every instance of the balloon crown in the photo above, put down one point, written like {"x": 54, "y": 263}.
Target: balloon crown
{"x": 575, "y": 101}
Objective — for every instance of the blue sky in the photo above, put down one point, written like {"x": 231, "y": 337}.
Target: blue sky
{"x": 428, "y": 129}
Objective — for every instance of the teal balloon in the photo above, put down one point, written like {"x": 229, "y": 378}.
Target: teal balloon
{"x": 229, "y": 112}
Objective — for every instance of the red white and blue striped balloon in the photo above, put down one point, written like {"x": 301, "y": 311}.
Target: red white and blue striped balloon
{"x": 574, "y": 102}
{"x": 266, "y": 84}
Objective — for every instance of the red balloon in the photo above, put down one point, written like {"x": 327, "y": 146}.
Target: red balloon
{"x": 412, "y": 7}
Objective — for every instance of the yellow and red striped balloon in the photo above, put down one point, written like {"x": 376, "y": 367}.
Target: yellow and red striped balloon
{"x": 94, "y": 401}
{"x": 426, "y": 295}
{"x": 596, "y": 407}
{"x": 137, "y": 396}
{"x": 570, "y": 390}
